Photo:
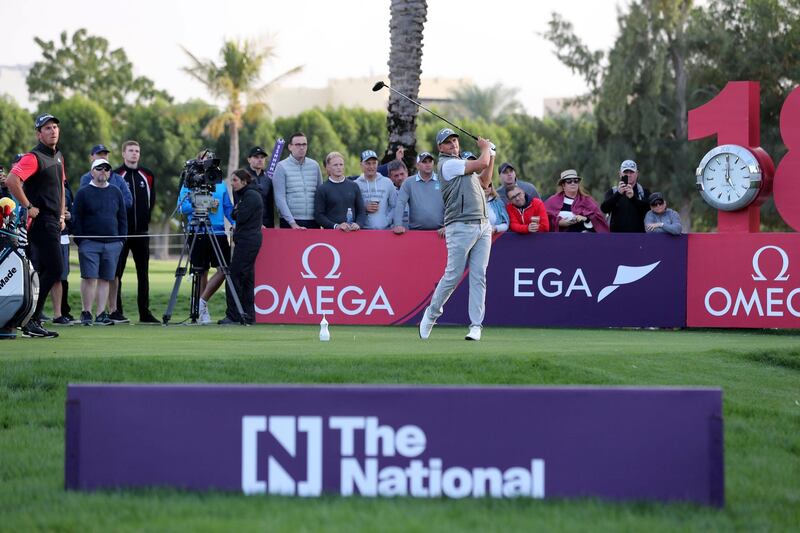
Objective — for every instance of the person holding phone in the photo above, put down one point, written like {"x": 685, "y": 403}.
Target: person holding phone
{"x": 626, "y": 203}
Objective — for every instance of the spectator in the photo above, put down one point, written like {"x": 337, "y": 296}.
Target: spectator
{"x": 256, "y": 163}
{"x": 660, "y": 219}
{"x": 525, "y": 214}
{"x": 338, "y": 203}
{"x": 37, "y": 182}
{"x": 626, "y": 203}
{"x": 397, "y": 173}
{"x": 468, "y": 156}
{"x": 378, "y": 192}
{"x": 102, "y": 222}
{"x": 295, "y": 181}
{"x": 421, "y": 195}
{"x": 390, "y": 157}
{"x": 508, "y": 177}
{"x": 571, "y": 209}
{"x": 203, "y": 255}
{"x": 99, "y": 151}
{"x": 59, "y": 294}
{"x": 3, "y": 189}
{"x": 246, "y": 243}
{"x": 141, "y": 182}
{"x": 498, "y": 215}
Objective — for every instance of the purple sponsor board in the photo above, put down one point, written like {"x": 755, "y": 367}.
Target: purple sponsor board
{"x": 429, "y": 442}
{"x": 563, "y": 279}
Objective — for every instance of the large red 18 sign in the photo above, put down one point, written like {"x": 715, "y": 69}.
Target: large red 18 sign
{"x": 733, "y": 116}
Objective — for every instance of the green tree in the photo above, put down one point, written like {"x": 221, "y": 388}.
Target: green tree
{"x": 236, "y": 80}
{"x": 16, "y": 135}
{"x": 85, "y": 65}
{"x": 83, "y": 124}
{"x": 322, "y": 137}
{"x": 490, "y": 103}
{"x": 405, "y": 68}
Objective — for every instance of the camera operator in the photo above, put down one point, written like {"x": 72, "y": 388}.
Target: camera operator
{"x": 203, "y": 256}
{"x": 246, "y": 243}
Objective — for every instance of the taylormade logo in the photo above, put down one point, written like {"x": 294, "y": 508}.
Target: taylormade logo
{"x": 5, "y": 279}
{"x": 372, "y": 460}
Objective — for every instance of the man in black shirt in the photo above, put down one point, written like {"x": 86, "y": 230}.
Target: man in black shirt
{"x": 627, "y": 202}
{"x": 257, "y": 161}
{"x": 37, "y": 181}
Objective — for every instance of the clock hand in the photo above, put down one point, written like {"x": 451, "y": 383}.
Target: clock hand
{"x": 728, "y": 169}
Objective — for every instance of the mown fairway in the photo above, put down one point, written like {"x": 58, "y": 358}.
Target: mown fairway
{"x": 759, "y": 373}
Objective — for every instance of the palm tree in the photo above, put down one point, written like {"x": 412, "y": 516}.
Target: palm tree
{"x": 405, "y": 68}
{"x": 236, "y": 79}
{"x": 489, "y": 104}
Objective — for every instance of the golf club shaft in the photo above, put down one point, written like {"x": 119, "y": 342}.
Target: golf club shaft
{"x": 462, "y": 130}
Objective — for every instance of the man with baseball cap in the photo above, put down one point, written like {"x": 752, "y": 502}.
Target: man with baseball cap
{"x": 256, "y": 165}
{"x": 37, "y": 181}
{"x": 467, "y": 229}
{"x": 419, "y": 201}
{"x": 661, "y": 219}
{"x": 100, "y": 224}
{"x": 508, "y": 178}
{"x": 627, "y": 202}
{"x": 378, "y": 192}
{"x": 100, "y": 151}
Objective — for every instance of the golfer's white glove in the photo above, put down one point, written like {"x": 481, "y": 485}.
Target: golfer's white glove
{"x": 492, "y": 149}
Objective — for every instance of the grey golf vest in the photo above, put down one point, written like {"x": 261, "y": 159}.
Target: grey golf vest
{"x": 301, "y": 185}
{"x": 463, "y": 196}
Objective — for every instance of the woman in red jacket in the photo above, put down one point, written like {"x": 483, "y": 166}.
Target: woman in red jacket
{"x": 526, "y": 215}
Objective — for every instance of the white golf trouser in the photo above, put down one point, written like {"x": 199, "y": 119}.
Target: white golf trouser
{"x": 468, "y": 245}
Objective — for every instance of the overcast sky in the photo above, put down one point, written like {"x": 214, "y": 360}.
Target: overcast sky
{"x": 332, "y": 39}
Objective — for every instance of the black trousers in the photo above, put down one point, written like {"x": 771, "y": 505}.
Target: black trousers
{"x": 44, "y": 244}
{"x": 140, "y": 247}
{"x": 243, "y": 275}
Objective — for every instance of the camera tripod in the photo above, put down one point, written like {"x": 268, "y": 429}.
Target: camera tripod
{"x": 198, "y": 223}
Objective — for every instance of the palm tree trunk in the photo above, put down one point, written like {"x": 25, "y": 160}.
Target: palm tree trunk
{"x": 405, "y": 68}
{"x": 233, "y": 156}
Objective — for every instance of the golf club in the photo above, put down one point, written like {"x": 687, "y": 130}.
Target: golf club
{"x": 380, "y": 85}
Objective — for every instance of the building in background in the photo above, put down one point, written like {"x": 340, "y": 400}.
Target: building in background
{"x": 13, "y": 84}
{"x": 355, "y": 92}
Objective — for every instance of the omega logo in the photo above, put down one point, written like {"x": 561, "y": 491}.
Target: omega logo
{"x": 337, "y": 259}
{"x": 777, "y": 301}
{"x": 313, "y": 299}
{"x": 759, "y": 276}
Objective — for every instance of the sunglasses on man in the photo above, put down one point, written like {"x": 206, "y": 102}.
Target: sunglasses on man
{"x": 571, "y": 181}
{"x": 103, "y": 168}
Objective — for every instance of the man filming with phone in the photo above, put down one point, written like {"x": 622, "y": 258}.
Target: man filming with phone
{"x": 627, "y": 202}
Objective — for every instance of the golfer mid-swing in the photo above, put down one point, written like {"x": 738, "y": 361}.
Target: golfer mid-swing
{"x": 467, "y": 229}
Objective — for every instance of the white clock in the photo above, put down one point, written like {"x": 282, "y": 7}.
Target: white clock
{"x": 729, "y": 177}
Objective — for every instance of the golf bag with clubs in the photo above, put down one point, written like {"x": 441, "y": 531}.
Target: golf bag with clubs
{"x": 19, "y": 283}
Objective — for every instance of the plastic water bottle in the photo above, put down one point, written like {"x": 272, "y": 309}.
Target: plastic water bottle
{"x": 349, "y": 217}
{"x": 324, "y": 334}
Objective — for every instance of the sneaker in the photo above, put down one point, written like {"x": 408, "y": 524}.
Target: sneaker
{"x": 425, "y": 325}
{"x": 474, "y": 334}
{"x": 86, "y": 318}
{"x": 34, "y": 329}
{"x": 71, "y": 319}
{"x": 227, "y": 321}
{"x": 103, "y": 320}
{"x": 205, "y": 317}
{"x": 149, "y": 319}
{"x": 118, "y": 318}
{"x": 62, "y": 321}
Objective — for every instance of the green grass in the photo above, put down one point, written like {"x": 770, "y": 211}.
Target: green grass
{"x": 758, "y": 371}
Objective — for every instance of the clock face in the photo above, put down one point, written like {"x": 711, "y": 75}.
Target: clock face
{"x": 729, "y": 177}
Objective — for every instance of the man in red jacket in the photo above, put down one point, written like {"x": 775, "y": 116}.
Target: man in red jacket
{"x": 526, "y": 214}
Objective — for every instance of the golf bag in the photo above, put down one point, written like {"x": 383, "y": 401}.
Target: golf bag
{"x": 19, "y": 284}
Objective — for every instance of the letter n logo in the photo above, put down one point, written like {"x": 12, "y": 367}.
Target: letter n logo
{"x": 284, "y": 430}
